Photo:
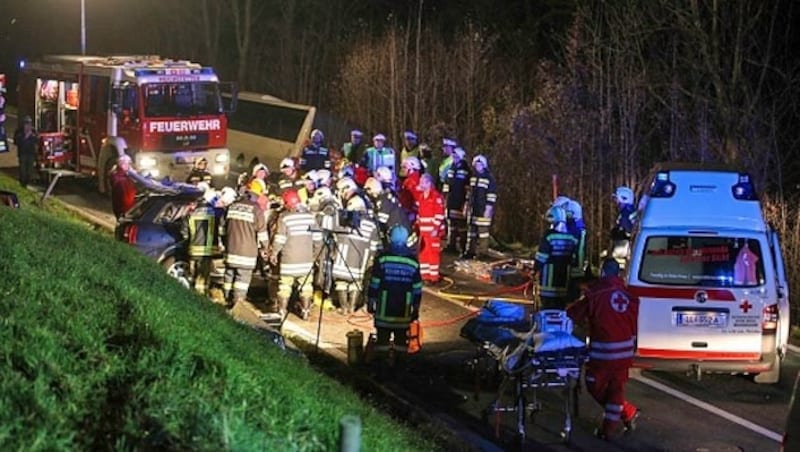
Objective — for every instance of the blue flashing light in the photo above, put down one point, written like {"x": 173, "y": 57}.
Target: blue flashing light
{"x": 744, "y": 189}
{"x": 22, "y": 64}
{"x": 661, "y": 186}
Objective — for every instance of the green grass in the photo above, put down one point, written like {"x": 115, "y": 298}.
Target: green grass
{"x": 102, "y": 350}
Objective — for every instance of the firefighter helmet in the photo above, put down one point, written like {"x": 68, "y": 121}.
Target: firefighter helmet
{"x": 201, "y": 163}
{"x": 323, "y": 178}
{"x": 561, "y": 201}
{"x": 410, "y": 135}
{"x": 356, "y": 204}
{"x": 448, "y": 142}
{"x": 379, "y": 137}
{"x": 398, "y": 236}
{"x": 316, "y": 133}
{"x": 460, "y": 152}
{"x": 556, "y": 215}
{"x": 345, "y": 186}
{"x": 291, "y": 199}
{"x": 356, "y": 133}
{"x": 373, "y": 187}
{"x": 227, "y": 196}
{"x": 623, "y": 195}
{"x": 287, "y": 162}
{"x": 257, "y": 187}
{"x": 259, "y": 167}
{"x": 384, "y": 175}
{"x": 480, "y": 158}
{"x": 411, "y": 164}
{"x": 574, "y": 209}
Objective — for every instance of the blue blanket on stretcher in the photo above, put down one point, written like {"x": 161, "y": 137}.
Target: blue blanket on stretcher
{"x": 496, "y": 323}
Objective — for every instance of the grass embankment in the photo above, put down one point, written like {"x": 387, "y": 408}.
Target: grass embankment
{"x": 102, "y": 350}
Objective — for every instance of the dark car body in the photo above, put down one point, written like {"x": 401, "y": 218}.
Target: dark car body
{"x": 155, "y": 226}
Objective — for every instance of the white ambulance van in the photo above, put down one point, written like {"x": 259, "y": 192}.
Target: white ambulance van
{"x": 710, "y": 276}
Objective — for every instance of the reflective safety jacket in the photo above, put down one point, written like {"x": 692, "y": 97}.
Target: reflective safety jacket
{"x": 611, "y": 313}
{"x": 314, "y": 158}
{"x": 552, "y": 262}
{"x": 374, "y": 158}
{"x": 430, "y": 214}
{"x": 455, "y": 186}
{"x": 389, "y": 212}
{"x": 245, "y": 232}
{"x": 482, "y": 193}
{"x": 355, "y": 250}
{"x": 354, "y": 153}
{"x": 204, "y": 231}
{"x": 395, "y": 290}
{"x": 626, "y": 219}
{"x": 404, "y": 154}
{"x": 297, "y": 241}
{"x": 287, "y": 183}
{"x": 197, "y": 175}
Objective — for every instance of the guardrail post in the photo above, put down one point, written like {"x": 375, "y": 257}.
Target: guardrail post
{"x": 350, "y": 433}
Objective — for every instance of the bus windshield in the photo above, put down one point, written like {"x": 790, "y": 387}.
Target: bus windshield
{"x": 703, "y": 261}
{"x": 181, "y": 99}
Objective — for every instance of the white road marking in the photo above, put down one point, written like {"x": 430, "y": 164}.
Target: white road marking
{"x": 636, "y": 375}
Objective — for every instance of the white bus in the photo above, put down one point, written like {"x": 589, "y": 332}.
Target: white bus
{"x": 266, "y": 129}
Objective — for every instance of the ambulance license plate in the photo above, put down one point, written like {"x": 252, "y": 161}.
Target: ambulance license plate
{"x": 708, "y": 319}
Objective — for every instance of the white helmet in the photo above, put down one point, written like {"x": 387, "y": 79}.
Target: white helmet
{"x": 411, "y": 163}
{"x": 384, "y": 175}
{"x": 346, "y": 185}
{"x": 323, "y": 178}
{"x": 287, "y": 162}
{"x": 379, "y": 137}
{"x": 373, "y": 187}
{"x": 317, "y": 133}
{"x": 480, "y": 158}
{"x": 321, "y": 195}
{"x": 623, "y": 195}
{"x": 459, "y": 151}
{"x": 209, "y": 195}
{"x": 574, "y": 209}
{"x": 356, "y": 204}
{"x": 561, "y": 201}
{"x": 227, "y": 196}
{"x": 259, "y": 167}
{"x": 204, "y": 187}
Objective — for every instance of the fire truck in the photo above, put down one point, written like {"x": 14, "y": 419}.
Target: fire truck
{"x": 164, "y": 113}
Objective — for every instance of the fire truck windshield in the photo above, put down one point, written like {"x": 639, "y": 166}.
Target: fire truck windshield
{"x": 181, "y": 99}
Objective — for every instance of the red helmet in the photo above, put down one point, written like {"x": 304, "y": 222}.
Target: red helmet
{"x": 291, "y": 199}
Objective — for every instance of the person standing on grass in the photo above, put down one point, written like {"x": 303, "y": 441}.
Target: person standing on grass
{"x": 27, "y": 142}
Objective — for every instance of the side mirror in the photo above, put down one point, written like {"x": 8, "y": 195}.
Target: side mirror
{"x": 229, "y": 102}
{"x": 117, "y": 95}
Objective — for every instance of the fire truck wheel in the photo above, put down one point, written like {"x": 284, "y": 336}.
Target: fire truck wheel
{"x": 178, "y": 269}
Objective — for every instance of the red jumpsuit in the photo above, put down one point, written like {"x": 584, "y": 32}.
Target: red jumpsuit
{"x": 123, "y": 192}
{"x": 611, "y": 313}
{"x": 430, "y": 226}
{"x": 409, "y": 193}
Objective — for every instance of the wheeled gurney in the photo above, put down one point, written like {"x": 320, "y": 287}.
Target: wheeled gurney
{"x": 530, "y": 352}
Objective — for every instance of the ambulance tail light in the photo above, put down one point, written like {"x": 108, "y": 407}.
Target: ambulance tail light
{"x": 662, "y": 187}
{"x": 769, "y": 319}
{"x": 744, "y": 189}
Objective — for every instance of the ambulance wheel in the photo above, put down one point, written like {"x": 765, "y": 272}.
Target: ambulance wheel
{"x": 771, "y": 376}
{"x": 178, "y": 269}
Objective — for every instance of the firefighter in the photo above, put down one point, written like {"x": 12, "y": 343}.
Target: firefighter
{"x": 443, "y": 165}
{"x": 315, "y": 156}
{"x": 580, "y": 265}
{"x": 409, "y": 189}
{"x": 354, "y": 149}
{"x": 480, "y": 208}
{"x": 308, "y": 186}
{"x": 123, "y": 190}
{"x": 294, "y": 248}
{"x": 355, "y": 249}
{"x": 27, "y": 141}
{"x": 203, "y": 227}
{"x": 395, "y": 291}
{"x": 430, "y": 226}
{"x": 410, "y": 149}
{"x": 553, "y": 259}
{"x": 379, "y": 155}
{"x": 289, "y": 178}
{"x": 624, "y": 223}
{"x": 610, "y": 314}
{"x": 455, "y": 192}
{"x": 387, "y": 209}
{"x": 199, "y": 172}
{"x": 245, "y": 237}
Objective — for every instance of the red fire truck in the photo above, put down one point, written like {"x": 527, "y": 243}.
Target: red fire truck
{"x": 88, "y": 110}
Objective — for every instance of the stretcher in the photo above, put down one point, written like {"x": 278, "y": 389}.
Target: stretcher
{"x": 531, "y": 353}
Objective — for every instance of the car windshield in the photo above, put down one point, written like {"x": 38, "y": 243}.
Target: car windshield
{"x": 181, "y": 99}
{"x": 702, "y": 261}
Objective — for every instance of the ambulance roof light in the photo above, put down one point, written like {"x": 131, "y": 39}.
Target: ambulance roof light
{"x": 744, "y": 189}
{"x": 662, "y": 187}
{"x": 22, "y": 64}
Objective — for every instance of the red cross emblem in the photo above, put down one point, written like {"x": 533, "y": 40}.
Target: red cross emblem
{"x": 745, "y": 306}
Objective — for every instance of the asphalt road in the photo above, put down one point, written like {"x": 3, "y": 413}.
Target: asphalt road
{"x": 679, "y": 413}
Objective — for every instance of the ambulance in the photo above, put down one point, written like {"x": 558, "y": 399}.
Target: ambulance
{"x": 710, "y": 276}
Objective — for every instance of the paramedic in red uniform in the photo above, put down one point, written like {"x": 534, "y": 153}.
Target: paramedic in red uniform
{"x": 610, "y": 313}
{"x": 430, "y": 225}
{"x": 123, "y": 191}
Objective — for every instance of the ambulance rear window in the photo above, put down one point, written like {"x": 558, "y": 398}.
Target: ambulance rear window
{"x": 702, "y": 261}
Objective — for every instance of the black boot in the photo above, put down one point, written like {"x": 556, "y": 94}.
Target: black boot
{"x": 305, "y": 307}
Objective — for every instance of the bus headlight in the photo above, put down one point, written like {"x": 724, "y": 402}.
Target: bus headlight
{"x": 147, "y": 162}
{"x": 221, "y": 158}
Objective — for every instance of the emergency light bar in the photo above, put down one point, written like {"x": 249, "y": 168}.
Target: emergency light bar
{"x": 744, "y": 189}
{"x": 173, "y": 71}
{"x": 662, "y": 187}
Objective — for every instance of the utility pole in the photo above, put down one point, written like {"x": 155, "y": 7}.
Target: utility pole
{"x": 83, "y": 27}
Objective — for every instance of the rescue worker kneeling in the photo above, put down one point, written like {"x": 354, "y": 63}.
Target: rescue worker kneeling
{"x": 611, "y": 313}
{"x": 395, "y": 292}
{"x": 293, "y": 249}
